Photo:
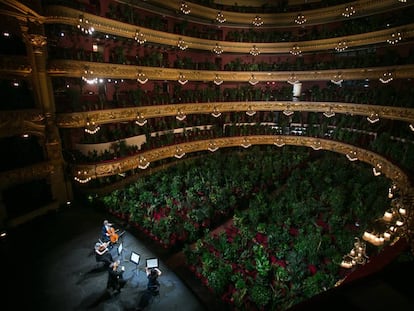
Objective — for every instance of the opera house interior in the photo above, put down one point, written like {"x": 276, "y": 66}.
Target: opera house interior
{"x": 270, "y": 143}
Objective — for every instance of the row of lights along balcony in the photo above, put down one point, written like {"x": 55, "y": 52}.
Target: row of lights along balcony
{"x": 295, "y": 50}
{"x": 300, "y": 19}
{"x": 220, "y": 17}
{"x": 395, "y": 38}
{"x": 254, "y": 51}
{"x": 182, "y": 45}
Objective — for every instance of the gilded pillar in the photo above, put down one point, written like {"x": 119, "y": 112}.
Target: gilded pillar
{"x": 43, "y": 89}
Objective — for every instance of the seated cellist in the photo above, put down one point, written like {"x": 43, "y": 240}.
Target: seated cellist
{"x": 109, "y": 233}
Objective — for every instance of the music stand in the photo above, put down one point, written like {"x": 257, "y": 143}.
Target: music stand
{"x": 120, "y": 248}
{"x": 135, "y": 258}
{"x": 152, "y": 263}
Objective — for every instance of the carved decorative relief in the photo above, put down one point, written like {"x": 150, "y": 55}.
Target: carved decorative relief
{"x": 21, "y": 175}
{"x": 79, "y": 119}
{"x": 38, "y": 42}
{"x": 65, "y": 15}
{"x": 15, "y": 65}
{"x": 22, "y": 122}
{"x": 387, "y": 168}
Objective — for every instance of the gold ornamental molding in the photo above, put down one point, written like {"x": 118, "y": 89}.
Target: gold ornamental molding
{"x": 143, "y": 160}
{"x": 316, "y": 16}
{"x": 25, "y": 174}
{"x": 15, "y": 66}
{"x": 64, "y": 15}
{"x": 76, "y": 69}
{"x": 80, "y": 119}
{"x": 22, "y": 122}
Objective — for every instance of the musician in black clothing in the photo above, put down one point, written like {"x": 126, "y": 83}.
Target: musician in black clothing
{"x": 116, "y": 280}
{"x": 153, "y": 288}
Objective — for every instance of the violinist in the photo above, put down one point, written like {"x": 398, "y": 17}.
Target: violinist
{"x": 116, "y": 280}
{"x": 102, "y": 253}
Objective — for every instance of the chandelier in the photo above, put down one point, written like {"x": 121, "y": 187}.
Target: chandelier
{"x": 386, "y": 77}
{"x": 182, "y": 79}
{"x": 373, "y": 117}
{"x": 218, "y": 49}
{"x": 82, "y": 177}
{"x": 179, "y": 153}
{"x": 91, "y": 127}
{"x": 185, "y": 8}
{"x": 142, "y": 78}
{"x": 143, "y": 163}
{"x": 352, "y": 155}
{"x": 357, "y": 256}
{"x": 88, "y": 76}
{"x": 217, "y": 80}
{"x": 216, "y": 113}
{"x": 220, "y": 17}
{"x": 349, "y": 11}
{"x": 257, "y": 21}
{"x": 341, "y": 46}
{"x": 295, "y": 50}
{"x": 181, "y": 44}
{"x": 212, "y": 146}
{"x": 84, "y": 25}
{"x": 254, "y": 51}
{"x": 246, "y": 143}
{"x": 180, "y": 116}
{"x": 337, "y": 79}
{"x": 140, "y": 119}
{"x": 253, "y": 80}
{"x": 140, "y": 37}
{"x": 395, "y": 38}
{"x": 300, "y": 19}
{"x": 250, "y": 112}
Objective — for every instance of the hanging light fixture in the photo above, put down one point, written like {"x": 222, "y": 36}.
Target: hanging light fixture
{"x": 341, "y": 46}
{"x": 292, "y": 79}
{"x": 411, "y": 126}
{"x": 216, "y": 113}
{"x": 287, "y": 112}
{"x": 373, "y": 117}
{"x": 377, "y": 169}
{"x": 91, "y": 127}
{"x": 185, "y": 8}
{"x": 246, "y": 143}
{"x": 218, "y": 49}
{"x": 82, "y": 177}
{"x": 329, "y": 113}
{"x": 212, "y": 146}
{"x": 89, "y": 77}
{"x": 179, "y": 153}
{"x": 217, "y": 80}
{"x": 250, "y": 112}
{"x": 182, "y": 79}
{"x": 349, "y": 11}
{"x": 140, "y": 37}
{"x": 254, "y": 50}
{"x": 300, "y": 19}
{"x": 140, "y": 119}
{"x": 220, "y": 17}
{"x": 180, "y": 115}
{"x": 386, "y": 77}
{"x": 181, "y": 44}
{"x": 142, "y": 78}
{"x": 279, "y": 142}
{"x": 352, "y": 155}
{"x": 257, "y": 21}
{"x": 337, "y": 79}
{"x": 317, "y": 145}
{"x": 85, "y": 26}
{"x": 295, "y": 50}
{"x": 253, "y": 80}
{"x": 357, "y": 256}
{"x": 395, "y": 38}
{"x": 143, "y": 163}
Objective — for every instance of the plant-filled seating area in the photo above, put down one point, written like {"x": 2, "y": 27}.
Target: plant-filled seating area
{"x": 290, "y": 216}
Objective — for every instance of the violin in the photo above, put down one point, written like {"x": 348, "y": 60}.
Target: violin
{"x": 113, "y": 236}
{"x": 103, "y": 246}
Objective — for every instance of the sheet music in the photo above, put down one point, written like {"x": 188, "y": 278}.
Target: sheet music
{"x": 135, "y": 258}
{"x": 152, "y": 263}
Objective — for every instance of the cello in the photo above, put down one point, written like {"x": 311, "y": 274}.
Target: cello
{"x": 113, "y": 236}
